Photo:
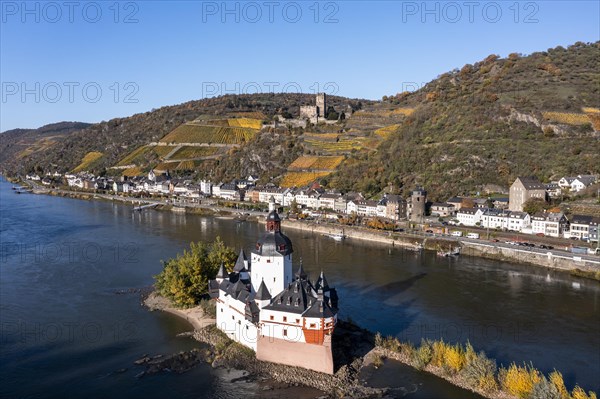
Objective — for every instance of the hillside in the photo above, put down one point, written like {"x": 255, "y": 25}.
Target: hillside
{"x": 18, "y": 144}
{"x": 488, "y": 123}
{"x": 117, "y": 138}
{"x": 482, "y": 124}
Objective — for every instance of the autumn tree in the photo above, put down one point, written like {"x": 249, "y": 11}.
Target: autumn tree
{"x": 184, "y": 279}
{"x": 534, "y": 205}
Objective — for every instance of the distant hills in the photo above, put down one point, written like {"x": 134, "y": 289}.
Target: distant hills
{"x": 482, "y": 124}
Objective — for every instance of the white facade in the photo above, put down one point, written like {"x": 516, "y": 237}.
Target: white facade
{"x": 270, "y": 310}
{"x": 469, "y": 216}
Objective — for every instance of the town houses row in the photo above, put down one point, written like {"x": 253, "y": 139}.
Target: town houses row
{"x": 498, "y": 213}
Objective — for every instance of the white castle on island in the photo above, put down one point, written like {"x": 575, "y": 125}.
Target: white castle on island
{"x": 282, "y": 316}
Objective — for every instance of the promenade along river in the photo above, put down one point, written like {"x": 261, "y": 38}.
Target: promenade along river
{"x": 66, "y": 333}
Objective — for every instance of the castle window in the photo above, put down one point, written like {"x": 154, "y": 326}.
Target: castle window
{"x": 221, "y": 310}
{"x": 284, "y": 318}
{"x": 285, "y": 333}
{"x": 239, "y": 322}
{"x": 313, "y": 325}
{"x": 232, "y": 317}
{"x": 282, "y": 247}
{"x": 297, "y": 303}
{"x": 271, "y": 317}
{"x": 297, "y": 321}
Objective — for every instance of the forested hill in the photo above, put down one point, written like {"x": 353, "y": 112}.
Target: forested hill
{"x": 480, "y": 125}
{"x": 490, "y": 122}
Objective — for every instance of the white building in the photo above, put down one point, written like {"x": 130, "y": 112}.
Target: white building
{"x": 549, "y": 224}
{"x": 582, "y": 182}
{"x": 580, "y": 227}
{"x": 206, "y": 187}
{"x": 469, "y": 216}
{"x": 283, "y": 317}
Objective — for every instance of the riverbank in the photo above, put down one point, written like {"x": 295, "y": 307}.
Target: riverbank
{"x": 350, "y": 349}
{"x": 577, "y": 265}
{"x": 355, "y": 351}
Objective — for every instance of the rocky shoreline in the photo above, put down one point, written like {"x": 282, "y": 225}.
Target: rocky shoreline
{"x": 354, "y": 349}
{"x": 351, "y": 344}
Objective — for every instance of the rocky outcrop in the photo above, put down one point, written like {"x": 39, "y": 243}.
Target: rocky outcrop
{"x": 351, "y": 344}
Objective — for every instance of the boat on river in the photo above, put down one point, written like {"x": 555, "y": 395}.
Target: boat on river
{"x": 451, "y": 253}
{"x": 336, "y": 237}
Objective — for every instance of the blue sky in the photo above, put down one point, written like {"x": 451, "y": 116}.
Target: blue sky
{"x": 92, "y": 61}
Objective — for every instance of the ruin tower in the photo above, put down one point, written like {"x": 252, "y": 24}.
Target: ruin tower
{"x": 321, "y": 102}
{"x": 418, "y": 200}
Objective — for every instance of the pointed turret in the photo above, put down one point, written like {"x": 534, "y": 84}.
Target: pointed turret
{"x": 222, "y": 274}
{"x": 263, "y": 296}
{"x": 241, "y": 263}
{"x": 322, "y": 282}
{"x": 263, "y": 293}
{"x": 301, "y": 274}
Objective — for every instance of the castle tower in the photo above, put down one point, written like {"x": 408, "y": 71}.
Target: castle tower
{"x": 418, "y": 200}
{"x": 321, "y": 102}
{"x": 272, "y": 257}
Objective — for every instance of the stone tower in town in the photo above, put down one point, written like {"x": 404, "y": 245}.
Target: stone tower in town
{"x": 321, "y": 102}
{"x": 416, "y": 205}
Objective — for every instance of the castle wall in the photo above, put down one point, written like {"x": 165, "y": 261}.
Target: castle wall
{"x": 232, "y": 321}
{"x": 313, "y": 357}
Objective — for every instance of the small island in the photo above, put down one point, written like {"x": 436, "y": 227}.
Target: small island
{"x": 286, "y": 329}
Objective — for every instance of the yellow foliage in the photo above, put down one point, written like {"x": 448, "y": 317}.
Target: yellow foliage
{"x": 188, "y": 152}
{"x": 386, "y": 131}
{"x": 590, "y": 110}
{"x": 579, "y": 393}
{"x": 298, "y": 179}
{"x": 344, "y": 144}
{"x": 88, "y": 160}
{"x": 245, "y": 122}
{"x": 439, "y": 353}
{"x": 165, "y": 166}
{"x": 454, "y": 357}
{"x": 595, "y": 119}
{"x": 192, "y": 133}
{"x": 316, "y": 163}
{"x": 556, "y": 379}
{"x": 519, "y": 380}
{"x": 129, "y": 159}
{"x": 403, "y": 111}
{"x": 566, "y": 118}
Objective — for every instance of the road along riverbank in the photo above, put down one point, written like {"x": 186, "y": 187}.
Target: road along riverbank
{"x": 587, "y": 266}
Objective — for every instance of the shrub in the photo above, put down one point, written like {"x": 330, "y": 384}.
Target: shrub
{"x": 208, "y": 307}
{"x": 439, "y": 351}
{"x": 377, "y": 361}
{"x": 545, "y": 390}
{"x": 378, "y": 340}
{"x": 556, "y": 379}
{"x": 423, "y": 355}
{"x": 184, "y": 279}
{"x": 480, "y": 371}
{"x": 579, "y": 393}
{"x": 519, "y": 380}
{"x": 454, "y": 358}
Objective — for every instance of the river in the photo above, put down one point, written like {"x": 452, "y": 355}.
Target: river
{"x": 70, "y": 326}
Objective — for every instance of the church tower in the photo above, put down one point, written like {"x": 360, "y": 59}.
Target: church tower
{"x": 272, "y": 256}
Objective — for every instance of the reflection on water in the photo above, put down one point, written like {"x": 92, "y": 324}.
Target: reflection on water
{"x": 63, "y": 324}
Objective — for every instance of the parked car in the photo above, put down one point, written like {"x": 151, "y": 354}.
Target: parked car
{"x": 429, "y": 231}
